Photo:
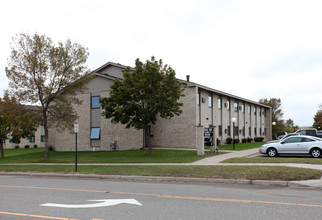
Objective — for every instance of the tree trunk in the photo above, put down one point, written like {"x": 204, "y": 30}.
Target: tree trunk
{"x": 46, "y": 136}
{"x": 1, "y": 147}
{"x": 148, "y": 139}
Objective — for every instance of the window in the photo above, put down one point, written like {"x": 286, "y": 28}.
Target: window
{"x": 228, "y": 105}
{"x": 249, "y": 109}
{"x": 236, "y": 106}
{"x": 42, "y": 138}
{"x": 32, "y": 139}
{"x": 250, "y": 131}
{"x": 243, "y": 108}
{"x": 210, "y": 101}
{"x": 243, "y": 131}
{"x": 236, "y": 129}
{"x": 255, "y": 131}
{"x": 220, "y": 130}
{"x": 254, "y": 110}
{"x": 307, "y": 140}
{"x": 292, "y": 140}
{"x": 198, "y": 99}
{"x": 96, "y": 102}
{"x": 95, "y": 133}
{"x": 228, "y": 130}
{"x": 219, "y": 103}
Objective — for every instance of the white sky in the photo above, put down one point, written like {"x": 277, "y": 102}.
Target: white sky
{"x": 250, "y": 48}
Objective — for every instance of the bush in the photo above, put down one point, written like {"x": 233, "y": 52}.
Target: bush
{"x": 35, "y": 146}
{"x": 258, "y": 139}
{"x": 26, "y": 146}
{"x": 249, "y": 140}
{"x": 17, "y": 147}
{"x": 244, "y": 140}
{"x": 229, "y": 140}
{"x": 218, "y": 142}
{"x": 51, "y": 148}
{"x": 236, "y": 140}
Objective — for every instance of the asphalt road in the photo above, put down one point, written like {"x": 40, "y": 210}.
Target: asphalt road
{"x": 24, "y": 198}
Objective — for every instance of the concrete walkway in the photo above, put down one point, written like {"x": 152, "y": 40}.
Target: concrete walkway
{"x": 218, "y": 158}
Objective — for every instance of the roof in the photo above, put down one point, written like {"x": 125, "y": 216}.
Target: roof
{"x": 188, "y": 83}
{"x": 192, "y": 84}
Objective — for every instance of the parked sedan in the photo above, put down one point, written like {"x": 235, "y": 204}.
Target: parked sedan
{"x": 300, "y": 144}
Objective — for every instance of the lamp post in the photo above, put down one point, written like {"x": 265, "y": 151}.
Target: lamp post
{"x": 234, "y": 120}
{"x": 274, "y": 123}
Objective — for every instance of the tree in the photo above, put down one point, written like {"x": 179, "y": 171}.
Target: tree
{"x": 290, "y": 126}
{"x": 277, "y": 112}
{"x": 147, "y": 91}
{"x": 16, "y": 121}
{"x": 318, "y": 118}
{"x": 49, "y": 75}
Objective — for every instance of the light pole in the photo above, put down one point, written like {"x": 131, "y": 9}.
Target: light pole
{"x": 274, "y": 123}
{"x": 234, "y": 120}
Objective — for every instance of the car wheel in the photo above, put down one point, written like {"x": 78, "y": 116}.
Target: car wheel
{"x": 315, "y": 152}
{"x": 272, "y": 152}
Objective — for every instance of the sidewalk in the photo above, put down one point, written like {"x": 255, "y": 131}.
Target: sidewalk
{"x": 218, "y": 158}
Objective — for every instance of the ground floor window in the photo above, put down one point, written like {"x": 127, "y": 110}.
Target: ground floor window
{"x": 95, "y": 133}
{"x": 42, "y": 138}
{"x": 220, "y": 130}
{"x": 32, "y": 139}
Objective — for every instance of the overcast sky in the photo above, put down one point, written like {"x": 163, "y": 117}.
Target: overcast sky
{"x": 249, "y": 48}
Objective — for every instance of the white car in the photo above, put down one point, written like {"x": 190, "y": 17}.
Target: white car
{"x": 300, "y": 144}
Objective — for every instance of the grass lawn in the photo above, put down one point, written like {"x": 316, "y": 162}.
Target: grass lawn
{"x": 239, "y": 146}
{"x": 305, "y": 160}
{"x": 221, "y": 172}
{"x": 36, "y": 155}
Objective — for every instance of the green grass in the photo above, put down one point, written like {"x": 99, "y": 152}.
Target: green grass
{"x": 305, "y": 160}
{"x": 221, "y": 172}
{"x": 240, "y": 146}
{"x": 36, "y": 155}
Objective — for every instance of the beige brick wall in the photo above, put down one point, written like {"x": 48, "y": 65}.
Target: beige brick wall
{"x": 127, "y": 138}
{"x": 65, "y": 140}
{"x": 179, "y": 131}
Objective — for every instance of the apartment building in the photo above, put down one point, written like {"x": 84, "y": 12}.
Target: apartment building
{"x": 208, "y": 115}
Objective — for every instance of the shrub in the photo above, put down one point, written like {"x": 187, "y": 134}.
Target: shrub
{"x": 35, "y": 146}
{"x": 218, "y": 142}
{"x": 51, "y": 148}
{"x": 258, "y": 139}
{"x": 249, "y": 139}
{"x": 229, "y": 140}
{"x": 17, "y": 147}
{"x": 236, "y": 140}
{"x": 244, "y": 140}
{"x": 26, "y": 146}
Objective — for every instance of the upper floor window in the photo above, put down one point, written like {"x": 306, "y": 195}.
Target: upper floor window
{"x": 243, "y": 108}
{"x": 210, "y": 101}
{"x": 198, "y": 99}
{"x": 219, "y": 103}
{"x": 235, "y": 106}
{"x": 228, "y": 105}
{"x": 254, "y": 110}
{"x": 96, "y": 102}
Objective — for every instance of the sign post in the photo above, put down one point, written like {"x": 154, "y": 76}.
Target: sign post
{"x": 76, "y": 129}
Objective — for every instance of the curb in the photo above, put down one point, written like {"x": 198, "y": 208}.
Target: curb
{"x": 163, "y": 179}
